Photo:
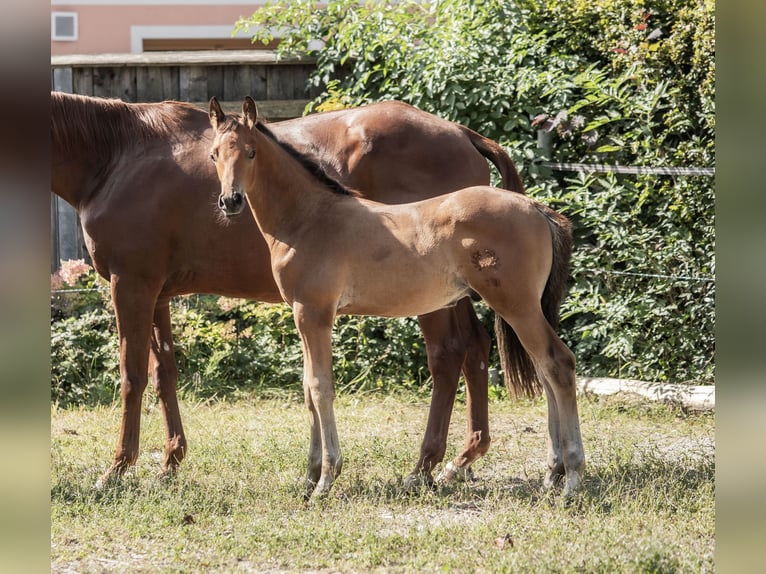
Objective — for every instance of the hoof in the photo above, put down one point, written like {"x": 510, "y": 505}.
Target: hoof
{"x": 111, "y": 476}
{"x": 572, "y": 484}
{"x": 452, "y": 474}
{"x": 416, "y": 480}
{"x": 552, "y": 479}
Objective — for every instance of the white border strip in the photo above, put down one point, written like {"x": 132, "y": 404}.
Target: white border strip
{"x": 140, "y": 33}
{"x": 74, "y": 3}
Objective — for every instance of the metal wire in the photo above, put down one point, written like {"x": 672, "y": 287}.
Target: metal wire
{"x": 688, "y": 278}
{"x": 628, "y": 169}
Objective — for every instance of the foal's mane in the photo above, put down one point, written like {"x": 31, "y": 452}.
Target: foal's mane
{"x": 307, "y": 162}
{"x": 101, "y": 127}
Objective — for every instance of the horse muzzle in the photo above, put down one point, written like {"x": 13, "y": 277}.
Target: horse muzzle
{"x": 231, "y": 204}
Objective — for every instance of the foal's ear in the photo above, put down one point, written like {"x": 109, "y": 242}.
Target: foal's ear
{"x": 216, "y": 113}
{"x": 249, "y": 113}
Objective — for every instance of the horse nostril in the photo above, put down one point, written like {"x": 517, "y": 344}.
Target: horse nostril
{"x": 236, "y": 198}
{"x": 221, "y": 203}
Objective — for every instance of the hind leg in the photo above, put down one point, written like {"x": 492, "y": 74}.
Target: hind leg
{"x": 476, "y": 375}
{"x": 165, "y": 378}
{"x": 446, "y": 354}
{"x": 556, "y": 469}
{"x": 555, "y": 365}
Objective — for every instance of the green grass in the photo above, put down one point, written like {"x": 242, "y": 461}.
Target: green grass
{"x": 647, "y": 503}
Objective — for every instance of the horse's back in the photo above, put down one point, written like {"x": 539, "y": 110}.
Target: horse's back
{"x": 392, "y": 151}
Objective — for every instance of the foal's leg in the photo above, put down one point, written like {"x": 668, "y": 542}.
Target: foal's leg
{"x": 133, "y": 304}
{"x": 475, "y": 371}
{"x": 315, "y": 328}
{"x": 555, "y": 461}
{"x": 165, "y": 378}
{"x": 555, "y": 363}
{"x": 446, "y": 352}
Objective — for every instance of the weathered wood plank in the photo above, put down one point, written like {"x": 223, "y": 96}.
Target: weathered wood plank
{"x": 171, "y": 89}
{"x": 270, "y": 109}
{"x": 241, "y": 81}
{"x": 62, "y": 80}
{"x": 192, "y": 83}
{"x": 68, "y": 224}
{"x": 212, "y": 57}
{"x": 149, "y": 84}
{"x": 54, "y": 234}
{"x": 214, "y": 80}
{"x": 119, "y": 82}
{"x": 286, "y": 83}
{"x": 83, "y": 81}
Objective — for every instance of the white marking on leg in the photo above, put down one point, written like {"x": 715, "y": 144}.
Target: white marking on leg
{"x": 482, "y": 366}
{"x": 165, "y": 346}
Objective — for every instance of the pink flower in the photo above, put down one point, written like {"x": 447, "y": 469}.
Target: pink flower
{"x": 57, "y": 282}
{"x": 72, "y": 270}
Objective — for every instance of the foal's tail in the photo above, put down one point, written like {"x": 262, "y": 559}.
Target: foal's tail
{"x": 519, "y": 371}
{"x": 496, "y": 154}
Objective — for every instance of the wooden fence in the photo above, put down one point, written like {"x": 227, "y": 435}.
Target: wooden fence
{"x": 279, "y": 87}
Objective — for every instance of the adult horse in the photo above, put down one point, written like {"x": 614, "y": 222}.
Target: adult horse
{"x": 140, "y": 178}
{"x": 334, "y": 252}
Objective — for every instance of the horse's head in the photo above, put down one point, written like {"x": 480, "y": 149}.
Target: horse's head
{"x": 233, "y": 152}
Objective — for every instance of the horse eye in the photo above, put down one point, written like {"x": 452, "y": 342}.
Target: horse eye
{"x": 212, "y": 156}
{"x": 251, "y": 155}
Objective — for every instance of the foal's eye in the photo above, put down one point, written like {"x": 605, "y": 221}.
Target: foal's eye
{"x": 212, "y": 156}
{"x": 251, "y": 154}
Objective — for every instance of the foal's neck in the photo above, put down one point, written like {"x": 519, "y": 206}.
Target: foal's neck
{"x": 284, "y": 194}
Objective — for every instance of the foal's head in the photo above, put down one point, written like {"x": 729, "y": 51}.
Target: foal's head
{"x": 233, "y": 153}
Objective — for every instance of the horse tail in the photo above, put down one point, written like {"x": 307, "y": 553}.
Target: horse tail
{"x": 500, "y": 159}
{"x": 519, "y": 371}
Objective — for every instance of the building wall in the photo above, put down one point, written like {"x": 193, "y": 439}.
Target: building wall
{"x": 118, "y": 26}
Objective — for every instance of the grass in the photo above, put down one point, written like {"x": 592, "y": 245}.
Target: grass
{"x": 647, "y": 503}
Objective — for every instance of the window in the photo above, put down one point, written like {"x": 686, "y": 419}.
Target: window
{"x": 64, "y": 26}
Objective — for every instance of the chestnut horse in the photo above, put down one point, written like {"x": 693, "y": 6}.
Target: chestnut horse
{"x": 334, "y": 252}
{"x": 140, "y": 178}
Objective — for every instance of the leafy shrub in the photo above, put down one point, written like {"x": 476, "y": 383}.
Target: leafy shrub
{"x": 84, "y": 347}
{"x": 611, "y": 82}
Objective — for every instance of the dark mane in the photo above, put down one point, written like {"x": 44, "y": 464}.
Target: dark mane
{"x": 307, "y": 162}
{"x": 100, "y": 127}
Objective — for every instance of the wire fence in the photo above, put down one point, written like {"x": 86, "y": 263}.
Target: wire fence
{"x": 628, "y": 169}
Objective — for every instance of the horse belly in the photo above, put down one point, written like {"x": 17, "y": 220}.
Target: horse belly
{"x": 401, "y": 292}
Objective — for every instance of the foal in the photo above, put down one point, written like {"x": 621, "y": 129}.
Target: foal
{"x": 333, "y": 252}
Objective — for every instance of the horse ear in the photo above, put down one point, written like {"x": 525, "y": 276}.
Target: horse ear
{"x": 249, "y": 112}
{"x": 216, "y": 113}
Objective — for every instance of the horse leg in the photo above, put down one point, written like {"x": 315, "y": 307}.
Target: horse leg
{"x": 555, "y": 462}
{"x": 315, "y": 328}
{"x": 165, "y": 378}
{"x": 477, "y": 344}
{"x": 133, "y": 306}
{"x": 555, "y": 364}
{"x": 314, "y": 470}
{"x": 445, "y": 350}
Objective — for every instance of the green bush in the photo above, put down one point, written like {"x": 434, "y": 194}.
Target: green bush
{"x": 613, "y": 82}
{"x": 225, "y": 347}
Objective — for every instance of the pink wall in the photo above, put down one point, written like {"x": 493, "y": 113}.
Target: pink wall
{"x": 106, "y": 29}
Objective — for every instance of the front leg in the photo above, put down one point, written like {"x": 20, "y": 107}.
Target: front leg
{"x": 165, "y": 375}
{"x": 134, "y": 306}
{"x": 314, "y": 325}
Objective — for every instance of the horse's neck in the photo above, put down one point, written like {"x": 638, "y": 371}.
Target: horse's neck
{"x": 286, "y": 194}
{"x": 76, "y": 161}
{"x": 70, "y": 174}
